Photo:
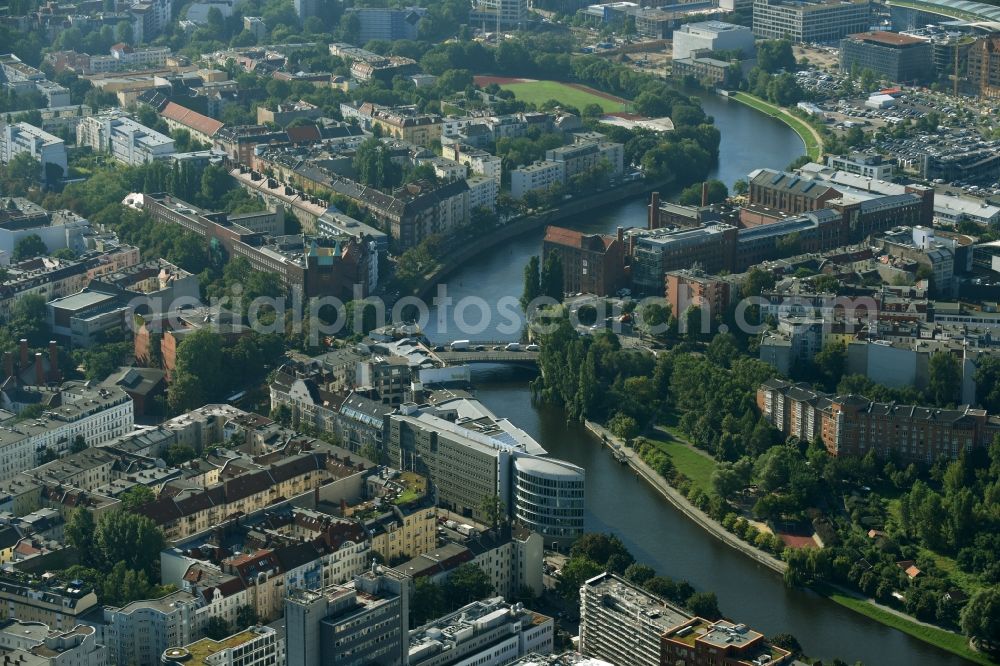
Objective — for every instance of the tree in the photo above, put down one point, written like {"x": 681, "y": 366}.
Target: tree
{"x": 198, "y": 374}
{"x": 574, "y": 573}
{"x": 127, "y": 537}
{"x": 980, "y": 618}
{"x": 136, "y": 496}
{"x": 29, "y": 247}
{"x": 216, "y": 628}
{"x": 79, "y": 533}
{"x": 602, "y": 549}
{"x": 79, "y": 444}
{"x": 623, "y": 426}
{"x": 29, "y": 319}
{"x": 178, "y": 454}
{"x": 493, "y": 510}
{"x": 787, "y": 642}
{"x": 774, "y": 55}
{"x": 215, "y": 182}
{"x": 988, "y": 382}
{"x": 20, "y": 175}
{"x": 944, "y": 380}
{"x": 704, "y": 604}
{"x": 716, "y": 192}
{"x": 246, "y": 616}
{"x": 639, "y": 573}
{"x": 428, "y": 601}
{"x": 467, "y": 583}
{"x": 531, "y": 283}
{"x": 551, "y": 281}
{"x": 831, "y": 362}
{"x": 374, "y": 166}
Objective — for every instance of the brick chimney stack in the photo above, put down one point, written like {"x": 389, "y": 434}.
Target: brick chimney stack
{"x": 24, "y": 353}
{"x": 704, "y": 193}
{"x": 8, "y": 364}
{"x": 39, "y": 370}
{"x": 654, "y": 211}
{"x": 53, "y": 361}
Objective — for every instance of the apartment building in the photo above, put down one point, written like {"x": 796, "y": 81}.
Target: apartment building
{"x": 851, "y": 425}
{"x": 479, "y": 162}
{"x": 583, "y": 156}
{"x": 54, "y": 278}
{"x": 700, "y": 642}
{"x": 361, "y": 623}
{"x": 49, "y": 150}
{"x": 420, "y": 129}
{"x": 139, "y": 632}
{"x": 686, "y": 288}
{"x": 194, "y": 510}
{"x": 260, "y": 645}
{"x": 126, "y": 140}
{"x": 283, "y": 114}
{"x": 390, "y": 24}
{"x": 98, "y": 414}
{"x": 493, "y": 15}
{"x": 60, "y": 607}
{"x": 34, "y": 643}
{"x": 483, "y": 192}
{"x": 809, "y": 21}
{"x": 984, "y": 66}
{"x": 592, "y": 263}
{"x": 488, "y": 632}
{"x": 17, "y": 76}
{"x": 124, "y": 57}
{"x": 539, "y": 176}
{"x": 623, "y": 624}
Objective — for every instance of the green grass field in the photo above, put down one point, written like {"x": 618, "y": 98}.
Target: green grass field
{"x": 539, "y": 92}
{"x": 814, "y": 148}
{"x": 946, "y": 640}
{"x": 690, "y": 463}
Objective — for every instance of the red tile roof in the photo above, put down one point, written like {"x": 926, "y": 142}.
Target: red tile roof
{"x": 563, "y": 236}
{"x": 191, "y": 119}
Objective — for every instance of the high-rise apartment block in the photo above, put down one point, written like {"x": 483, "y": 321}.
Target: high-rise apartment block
{"x": 363, "y": 623}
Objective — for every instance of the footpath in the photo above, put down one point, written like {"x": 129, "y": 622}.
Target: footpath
{"x": 673, "y": 496}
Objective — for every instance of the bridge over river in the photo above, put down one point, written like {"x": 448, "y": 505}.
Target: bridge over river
{"x": 488, "y": 352}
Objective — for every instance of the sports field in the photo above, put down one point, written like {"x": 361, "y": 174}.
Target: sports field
{"x": 570, "y": 94}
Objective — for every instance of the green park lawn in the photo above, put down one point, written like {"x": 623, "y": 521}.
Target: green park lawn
{"x": 539, "y": 92}
{"x": 946, "y": 640}
{"x": 688, "y": 462}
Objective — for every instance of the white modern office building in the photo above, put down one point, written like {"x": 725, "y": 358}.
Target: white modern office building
{"x": 48, "y": 149}
{"x": 124, "y": 138}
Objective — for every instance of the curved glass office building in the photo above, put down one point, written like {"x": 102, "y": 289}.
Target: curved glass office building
{"x": 548, "y": 498}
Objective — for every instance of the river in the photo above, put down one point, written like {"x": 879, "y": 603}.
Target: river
{"x": 750, "y": 140}
{"x": 617, "y": 501}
